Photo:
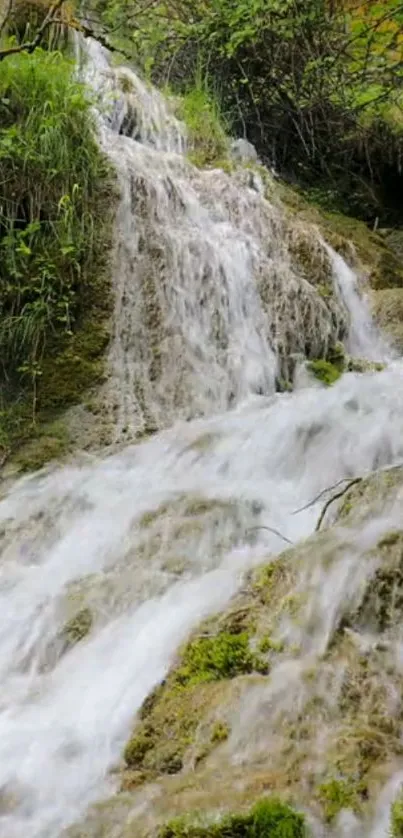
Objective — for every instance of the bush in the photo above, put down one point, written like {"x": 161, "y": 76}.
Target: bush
{"x": 223, "y": 656}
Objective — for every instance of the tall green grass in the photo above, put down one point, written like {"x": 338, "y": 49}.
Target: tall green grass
{"x": 53, "y": 186}
{"x": 54, "y": 213}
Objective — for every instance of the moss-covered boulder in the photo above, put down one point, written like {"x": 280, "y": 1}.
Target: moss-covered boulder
{"x": 178, "y": 724}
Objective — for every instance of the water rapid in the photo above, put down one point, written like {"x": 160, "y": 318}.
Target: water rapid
{"x": 208, "y": 310}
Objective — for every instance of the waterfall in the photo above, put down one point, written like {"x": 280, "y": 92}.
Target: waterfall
{"x": 208, "y": 309}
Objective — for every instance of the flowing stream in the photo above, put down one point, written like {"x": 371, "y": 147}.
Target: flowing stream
{"x": 156, "y": 536}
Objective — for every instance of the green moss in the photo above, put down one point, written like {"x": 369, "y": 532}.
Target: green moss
{"x": 388, "y": 272}
{"x": 269, "y": 818}
{"x": 170, "y": 719}
{"x": 49, "y": 442}
{"x": 396, "y": 818}
{"x": 324, "y": 371}
{"x": 338, "y": 794}
{"x": 337, "y": 356}
{"x": 213, "y": 658}
{"x": 362, "y": 366}
{"x": 174, "y": 712}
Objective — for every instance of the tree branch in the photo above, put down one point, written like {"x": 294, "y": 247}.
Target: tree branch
{"x": 271, "y": 529}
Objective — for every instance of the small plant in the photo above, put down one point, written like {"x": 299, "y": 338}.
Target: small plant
{"x": 223, "y": 656}
{"x": 338, "y": 794}
{"x": 396, "y": 818}
{"x": 266, "y": 645}
{"x": 220, "y": 732}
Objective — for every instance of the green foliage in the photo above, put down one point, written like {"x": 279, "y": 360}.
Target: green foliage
{"x": 269, "y": 818}
{"x": 396, "y": 818}
{"x": 324, "y": 371}
{"x": 315, "y": 85}
{"x": 223, "y": 656}
{"x": 336, "y": 795}
{"x": 56, "y": 187}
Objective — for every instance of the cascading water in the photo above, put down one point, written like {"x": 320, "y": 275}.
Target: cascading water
{"x": 150, "y": 540}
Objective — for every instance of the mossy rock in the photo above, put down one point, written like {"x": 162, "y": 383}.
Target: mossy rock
{"x": 376, "y": 490}
{"x": 382, "y": 603}
{"x": 172, "y": 715}
{"x": 324, "y": 371}
{"x": 166, "y": 735}
{"x": 387, "y": 309}
{"x": 377, "y": 255}
{"x": 310, "y": 259}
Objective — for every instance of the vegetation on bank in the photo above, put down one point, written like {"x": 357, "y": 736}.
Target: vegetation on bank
{"x": 315, "y": 85}
{"x": 269, "y": 818}
{"x": 55, "y": 229}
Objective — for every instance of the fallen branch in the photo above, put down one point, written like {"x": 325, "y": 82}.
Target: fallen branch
{"x": 336, "y": 497}
{"x": 320, "y": 495}
{"x": 271, "y": 529}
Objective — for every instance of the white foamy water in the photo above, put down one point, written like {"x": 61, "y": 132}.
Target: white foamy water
{"x": 159, "y": 535}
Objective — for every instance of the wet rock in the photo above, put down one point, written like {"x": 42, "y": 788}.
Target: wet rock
{"x": 242, "y": 151}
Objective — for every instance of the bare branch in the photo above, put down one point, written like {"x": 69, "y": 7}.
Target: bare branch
{"x": 271, "y": 529}
{"x": 320, "y": 495}
{"x": 335, "y": 497}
